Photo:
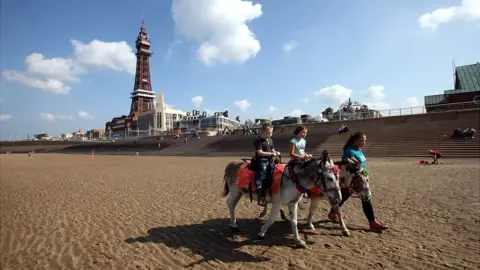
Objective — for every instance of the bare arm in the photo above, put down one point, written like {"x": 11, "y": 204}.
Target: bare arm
{"x": 292, "y": 152}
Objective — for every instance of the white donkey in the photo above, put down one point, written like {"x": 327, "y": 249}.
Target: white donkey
{"x": 352, "y": 176}
{"x": 307, "y": 175}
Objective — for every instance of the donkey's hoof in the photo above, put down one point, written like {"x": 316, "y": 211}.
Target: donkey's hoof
{"x": 310, "y": 226}
{"x": 234, "y": 229}
{"x": 346, "y": 233}
{"x": 259, "y": 237}
{"x": 301, "y": 244}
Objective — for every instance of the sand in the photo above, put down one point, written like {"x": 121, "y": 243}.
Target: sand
{"x": 128, "y": 212}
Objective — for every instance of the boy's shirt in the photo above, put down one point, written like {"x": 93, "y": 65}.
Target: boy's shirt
{"x": 266, "y": 145}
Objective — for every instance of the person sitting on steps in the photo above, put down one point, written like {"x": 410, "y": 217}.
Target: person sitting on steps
{"x": 264, "y": 152}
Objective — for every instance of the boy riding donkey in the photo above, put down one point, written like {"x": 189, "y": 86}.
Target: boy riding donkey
{"x": 264, "y": 165}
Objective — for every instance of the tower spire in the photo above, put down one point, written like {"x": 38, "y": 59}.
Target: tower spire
{"x": 142, "y": 95}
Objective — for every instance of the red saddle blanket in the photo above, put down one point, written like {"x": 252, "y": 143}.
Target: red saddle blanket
{"x": 245, "y": 177}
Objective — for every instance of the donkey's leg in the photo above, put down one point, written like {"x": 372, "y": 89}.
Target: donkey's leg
{"x": 335, "y": 199}
{"x": 292, "y": 208}
{"x": 311, "y": 212}
{"x": 276, "y": 206}
{"x": 264, "y": 211}
{"x": 233, "y": 198}
{"x": 282, "y": 215}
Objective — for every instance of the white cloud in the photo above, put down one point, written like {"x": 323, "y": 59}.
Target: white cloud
{"x": 375, "y": 92}
{"x": 85, "y": 115}
{"x": 335, "y": 93}
{"x": 115, "y": 55}
{"x": 220, "y": 26}
{"x": 242, "y": 105}
{"x": 305, "y": 100}
{"x": 47, "y": 85}
{"x": 52, "y": 74}
{"x": 468, "y": 10}
{"x": 296, "y": 113}
{"x": 272, "y": 109}
{"x": 5, "y": 117}
{"x": 289, "y": 46}
{"x": 197, "y": 101}
{"x": 47, "y": 116}
{"x": 56, "y": 68}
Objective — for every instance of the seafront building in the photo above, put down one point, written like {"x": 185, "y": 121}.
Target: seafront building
{"x": 148, "y": 116}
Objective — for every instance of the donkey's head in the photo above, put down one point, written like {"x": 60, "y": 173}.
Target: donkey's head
{"x": 354, "y": 176}
{"x": 322, "y": 172}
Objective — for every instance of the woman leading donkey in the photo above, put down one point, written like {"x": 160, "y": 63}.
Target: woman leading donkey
{"x": 355, "y": 179}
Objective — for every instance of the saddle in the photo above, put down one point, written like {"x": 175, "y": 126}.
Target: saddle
{"x": 245, "y": 177}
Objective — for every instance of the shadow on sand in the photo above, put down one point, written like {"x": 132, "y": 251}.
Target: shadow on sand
{"x": 213, "y": 240}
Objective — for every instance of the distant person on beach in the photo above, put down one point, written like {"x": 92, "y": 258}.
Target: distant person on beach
{"x": 353, "y": 149}
{"x": 435, "y": 155}
{"x": 297, "y": 151}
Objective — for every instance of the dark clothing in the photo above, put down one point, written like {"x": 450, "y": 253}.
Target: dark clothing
{"x": 264, "y": 165}
{"x": 266, "y": 145}
{"x": 366, "y": 205}
{"x": 263, "y": 170}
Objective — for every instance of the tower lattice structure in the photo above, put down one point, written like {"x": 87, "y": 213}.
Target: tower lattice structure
{"x": 142, "y": 96}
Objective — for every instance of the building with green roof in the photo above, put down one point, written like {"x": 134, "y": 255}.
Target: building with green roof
{"x": 467, "y": 89}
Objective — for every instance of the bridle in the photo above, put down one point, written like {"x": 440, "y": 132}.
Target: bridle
{"x": 318, "y": 181}
{"x": 355, "y": 182}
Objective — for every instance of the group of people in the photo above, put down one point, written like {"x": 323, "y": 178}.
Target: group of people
{"x": 265, "y": 151}
{"x": 458, "y": 133}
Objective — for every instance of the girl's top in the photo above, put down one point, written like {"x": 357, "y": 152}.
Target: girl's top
{"x": 299, "y": 148}
{"x": 354, "y": 152}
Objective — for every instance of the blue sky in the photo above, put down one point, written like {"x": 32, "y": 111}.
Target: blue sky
{"x": 268, "y": 58}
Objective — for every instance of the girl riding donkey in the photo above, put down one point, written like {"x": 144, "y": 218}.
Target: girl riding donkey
{"x": 352, "y": 150}
{"x": 297, "y": 154}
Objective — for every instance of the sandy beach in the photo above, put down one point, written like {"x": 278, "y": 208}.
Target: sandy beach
{"x": 134, "y": 212}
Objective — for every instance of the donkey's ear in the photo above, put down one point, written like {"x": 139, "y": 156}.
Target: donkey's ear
{"x": 355, "y": 161}
{"x": 348, "y": 161}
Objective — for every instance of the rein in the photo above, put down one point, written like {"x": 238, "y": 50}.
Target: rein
{"x": 314, "y": 180}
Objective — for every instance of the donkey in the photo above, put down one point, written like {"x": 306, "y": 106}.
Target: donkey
{"x": 354, "y": 177}
{"x": 314, "y": 173}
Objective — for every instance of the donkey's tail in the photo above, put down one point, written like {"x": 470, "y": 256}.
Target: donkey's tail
{"x": 226, "y": 188}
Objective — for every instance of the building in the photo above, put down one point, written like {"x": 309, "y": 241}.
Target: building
{"x": 95, "y": 134}
{"x": 66, "y": 136}
{"x": 466, "y": 90}
{"x": 142, "y": 96}
{"x": 164, "y": 119}
{"x": 149, "y": 118}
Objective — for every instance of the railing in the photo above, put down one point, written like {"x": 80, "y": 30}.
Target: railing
{"x": 404, "y": 111}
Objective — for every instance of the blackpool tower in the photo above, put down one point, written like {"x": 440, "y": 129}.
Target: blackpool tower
{"x": 142, "y": 96}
